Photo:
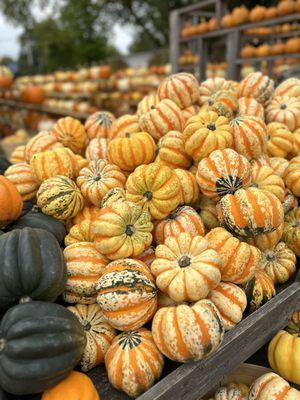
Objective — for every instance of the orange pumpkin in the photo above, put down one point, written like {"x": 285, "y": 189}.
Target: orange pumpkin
{"x": 125, "y": 124}
{"x": 71, "y": 133}
{"x": 266, "y": 241}
{"x": 171, "y": 151}
{"x": 263, "y": 50}
{"x": 249, "y": 106}
{"x": 257, "y": 86}
{"x": 280, "y": 140}
{"x": 41, "y": 142}
{"x": 248, "y": 51}
{"x": 278, "y": 48}
{"x": 265, "y": 178}
{"x": 212, "y": 24}
{"x": 286, "y": 7}
{"x": 96, "y": 149}
{"x": 188, "y": 185}
{"x": 285, "y": 110}
{"x": 291, "y": 176}
{"x": 146, "y": 103}
{"x": 98, "y": 124}
{"x": 271, "y": 12}
{"x": 211, "y": 86}
{"x": 33, "y": 94}
{"x": 258, "y": 13}
{"x": 21, "y": 176}
{"x": 11, "y": 202}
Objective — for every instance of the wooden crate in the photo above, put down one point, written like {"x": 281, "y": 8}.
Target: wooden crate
{"x": 194, "y": 380}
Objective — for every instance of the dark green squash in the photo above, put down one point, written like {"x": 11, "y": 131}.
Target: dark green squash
{"x": 40, "y": 343}
{"x": 36, "y": 219}
{"x": 259, "y": 290}
{"x": 27, "y": 206}
{"x": 4, "y": 164}
{"x": 3, "y": 395}
{"x": 32, "y": 266}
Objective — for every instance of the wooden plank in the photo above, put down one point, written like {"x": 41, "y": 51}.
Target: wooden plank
{"x": 254, "y": 60}
{"x": 232, "y": 48}
{"x": 175, "y": 25}
{"x": 194, "y": 7}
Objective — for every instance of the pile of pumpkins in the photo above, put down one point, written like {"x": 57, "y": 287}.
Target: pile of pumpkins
{"x": 290, "y": 46}
{"x": 155, "y": 231}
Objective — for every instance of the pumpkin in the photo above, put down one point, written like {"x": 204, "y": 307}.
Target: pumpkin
{"x": 38, "y": 364}
{"x": 99, "y": 334}
{"x": 88, "y": 212}
{"x": 127, "y": 294}
{"x": 279, "y": 165}
{"x": 155, "y": 187}
{"x": 81, "y": 161}
{"x": 181, "y": 88}
{"x": 250, "y": 136}
{"x": 294, "y": 324}
{"x": 21, "y": 176}
{"x": 279, "y": 263}
{"x": 4, "y": 164}
{"x": 285, "y": 110}
{"x": 208, "y": 213}
{"x": 98, "y": 124}
{"x": 241, "y": 14}
{"x": 205, "y": 133}
{"x": 171, "y": 151}
{"x": 11, "y": 202}
{"x": 263, "y": 50}
{"x": 280, "y": 140}
{"x": 75, "y": 386}
{"x": 17, "y": 156}
{"x": 211, "y": 86}
{"x": 230, "y": 301}
{"x": 233, "y": 391}
{"x": 132, "y": 150}
{"x": 239, "y": 259}
{"x": 84, "y": 268}
{"x": 133, "y": 362}
{"x": 271, "y": 12}
{"x": 163, "y": 300}
{"x": 71, "y": 133}
{"x": 292, "y": 45}
{"x": 250, "y": 212}
{"x": 112, "y": 196}
{"x": 258, "y": 13}
{"x": 81, "y": 232}
{"x": 265, "y": 178}
{"x": 182, "y": 219}
{"x": 186, "y": 267}
{"x": 224, "y": 103}
{"x": 227, "y": 21}
{"x": 272, "y": 386}
{"x": 189, "y": 187}
{"x": 290, "y": 87}
{"x": 212, "y": 24}
{"x": 249, "y": 106}
{"x": 125, "y": 124}
{"x": 259, "y": 290}
{"x": 190, "y": 111}
{"x": 290, "y": 201}
{"x": 59, "y": 197}
{"x": 96, "y": 149}
{"x": 277, "y": 48}
{"x": 43, "y": 141}
{"x": 146, "y": 103}
{"x": 291, "y": 176}
{"x": 223, "y": 172}
{"x": 188, "y": 332}
{"x": 33, "y": 94}
{"x": 50, "y": 163}
{"x": 291, "y": 230}
{"x": 266, "y": 241}
{"x": 262, "y": 160}
{"x": 97, "y": 179}
{"x": 257, "y": 86}
{"x": 248, "y": 51}
{"x": 285, "y": 7}
{"x": 165, "y": 116}
{"x": 296, "y": 143}
{"x": 147, "y": 256}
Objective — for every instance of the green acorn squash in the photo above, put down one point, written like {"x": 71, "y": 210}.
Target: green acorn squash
{"x": 32, "y": 267}
{"x": 4, "y": 164}
{"x": 40, "y": 343}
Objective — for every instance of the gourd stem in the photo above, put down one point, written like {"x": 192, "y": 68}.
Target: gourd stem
{"x": 184, "y": 261}
{"x": 148, "y": 195}
{"x": 25, "y": 299}
{"x": 127, "y": 135}
{"x": 130, "y": 229}
{"x": 211, "y": 126}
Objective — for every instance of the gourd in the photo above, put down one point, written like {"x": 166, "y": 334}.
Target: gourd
{"x": 280, "y": 140}
{"x": 291, "y": 230}
{"x": 147, "y": 256}
{"x": 96, "y": 149}
{"x": 29, "y": 363}
{"x": 259, "y": 290}
{"x": 291, "y": 176}
{"x": 285, "y": 7}
{"x": 88, "y": 212}
{"x": 262, "y": 160}
{"x": 265, "y": 179}
{"x": 233, "y": 391}
{"x": 258, "y": 13}
{"x": 279, "y": 263}
{"x": 22, "y": 177}
{"x": 11, "y": 202}
{"x": 249, "y": 106}
{"x": 171, "y": 151}
{"x": 290, "y": 87}
{"x": 211, "y": 86}
{"x": 128, "y": 352}
{"x": 186, "y": 267}
{"x": 285, "y": 110}
{"x": 98, "y": 124}
{"x": 146, "y": 103}
{"x": 4, "y": 164}
{"x": 272, "y": 386}
{"x": 43, "y": 141}
{"x": 17, "y": 155}
{"x": 294, "y": 324}
{"x": 190, "y": 111}
{"x": 71, "y": 133}
{"x": 188, "y": 185}
{"x": 266, "y": 241}
{"x": 257, "y": 86}
{"x": 279, "y": 165}
{"x": 290, "y": 201}
{"x": 112, "y": 196}
{"x": 224, "y": 103}
{"x": 81, "y": 232}
{"x": 125, "y": 124}
{"x": 208, "y": 213}
{"x": 127, "y": 294}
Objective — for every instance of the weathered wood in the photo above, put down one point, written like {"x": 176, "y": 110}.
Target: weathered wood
{"x": 232, "y": 48}
{"x": 198, "y": 6}
{"x": 254, "y": 60}
{"x": 175, "y": 27}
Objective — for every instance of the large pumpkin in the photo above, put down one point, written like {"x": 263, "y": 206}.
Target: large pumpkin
{"x": 43, "y": 141}
{"x": 98, "y": 124}
{"x": 96, "y": 149}
{"x": 133, "y": 362}
{"x": 285, "y": 110}
{"x": 182, "y": 88}
{"x": 291, "y": 176}
{"x": 259, "y": 290}
{"x": 171, "y": 151}
{"x": 186, "y": 267}
{"x": 205, "y": 133}
{"x": 265, "y": 178}
{"x": 188, "y": 185}
{"x": 250, "y": 212}
{"x": 38, "y": 363}
{"x": 249, "y": 106}
{"x": 127, "y": 294}
{"x": 84, "y": 268}
{"x": 239, "y": 259}
{"x": 155, "y": 187}
{"x": 182, "y": 219}
{"x": 211, "y": 86}
{"x": 280, "y": 140}
{"x": 11, "y": 202}
{"x": 272, "y": 386}
{"x": 290, "y": 87}
{"x": 59, "y": 197}
{"x": 71, "y": 133}
{"x": 146, "y": 103}
{"x": 257, "y": 86}
{"x": 188, "y": 332}
{"x": 21, "y": 176}
{"x": 291, "y": 230}
{"x": 132, "y": 150}
{"x": 223, "y": 172}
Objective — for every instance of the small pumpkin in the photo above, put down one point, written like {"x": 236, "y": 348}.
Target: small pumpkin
{"x": 146, "y": 103}
{"x": 280, "y": 140}
{"x": 128, "y": 352}
{"x": 224, "y": 103}
{"x": 290, "y": 201}
{"x": 285, "y": 7}
{"x": 271, "y": 12}
{"x": 211, "y": 86}
{"x": 296, "y": 143}
{"x": 190, "y": 111}
{"x": 271, "y": 385}
{"x": 11, "y": 202}
{"x": 266, "y": 241}
{"x": 112, "y": 196}
{"x": 43, "y": 141}
{"x": 285, "y": 110}
{"x": 258, "y": 13}
{"x": 17, "y": 156}
{"x": 33, "y": 94}
{"x": 81, "y": 232}
{"x": 71, "y": 133}
{"x": 250, "y": 106}
{"x": 21, "y": 176}
{"x": 294, "y": 324}
{"x": 290, "y": 87}
{"x": 98, "y": 124}
{"x": 208, "y": 213}
{"x": 291, "y": 176}
{"x": 263, "y": 50}
{"x": 259, "y": 290}
{"x": 189, "y": 186}
{"x": 171, "y": 151}
{"x": 248, "y": 51}
{"x": 125, "y": 124}
{"x": 88, "y": 212}
{"x": 96, "y": 149}
{"x": 257, "y": 86}
{"x": 291, "y": 230}
{"x": 279, "y": 165}
{"x": 265, "y": 178}
{"x": 127, "y": 294}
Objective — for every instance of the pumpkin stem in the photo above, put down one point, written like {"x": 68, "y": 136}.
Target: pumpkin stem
{"x": 2, "y": 344}
{"x": 86, "y": 325}
{"x": 184, "y": 261}
{"x": 283, "y": 107}
{"x": 96, "y": 177}
{"x": 127, "y": 135}
{"x": 270, "y": 256}
{"x": 211, "y": 126}
{"x": 130, "y": 229}
{"x": 25, "y": 299}
{"x": 152, "y": 107}
{"x": 148, "y": 195}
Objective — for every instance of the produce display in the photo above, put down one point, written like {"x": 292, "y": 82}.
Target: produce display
{"x": 128, "y": 241}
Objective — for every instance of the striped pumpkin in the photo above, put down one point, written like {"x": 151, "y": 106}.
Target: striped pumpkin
{"x": 133, "y": 362}
{"x": 171, "y": 151}
{"x": 233, "y": 391}
{"x": 208, "y": 213}
{"x": 182, "y": 219}
{"x": 259, "y": 290}
{"x": 230, "y": 301}
{"x": 290, "y": 201}
{"x": 186, "y": 267}
{"x": 97, "y": 179}
{"x": 223, "y": 172}
{"x": 280, "y": 140}
{"x": 155, "y": 187}
{"x": 132, "y": 150}
{"x": 290, "y": 88}
{"x": 163, "y": 300}
{"x": 81, "y": 232}
{"x": 125, "y": 124}
{"x": 285, "y": 110}
{"x": 188, "y": 333}
{"x": 266, "y": 241}
{"x": 98, "y": 124}
{"x": 96, "y": 149}
{"x": 279, "y": 263}
{"x": 262, "y": 160}
{"x": 18, "y": 155}
{"x": 84, "y": 268}
{"x": 127, "y": 294}
{"x": 239, "y": 259}
{"x": 21, "y": 176}
{"x": 224, "y": 103}
{"x": 265, "y": 178}
{"x": 272, "y": 386}
{"x": 257, "y": 86}
{"x": 112, "y": 196}
{"x": 181, "y": 88}
{"x": 250, "y": 212}
{"x": 164, "y": 117}
{"x": 147, "y": 256}
{"x": 291, "y": 230}
{"x": 190, "y": 111}
{"x": 279, "y": 165}
{"x": 296, "y": 143}
{"x": 250, "y": 136}
{"x": 205, "y": 133}
{"x": 43, "y": 141}
{"x": 146, "y": 103}
{"x": 189, "y": 186}
{"x": 211, "y": 86}
{"x": 99, "y": 334}
{"x": 249, "y": 106}
{"x": 60, "y": 198}
{"x": 88, "y": 212}
{"x": 291, "y": 176}
{"x": 122, "y": 230}
{"x": 11, "y": 202}
{"x": 71, "y": 133}
{"x": 50, "y": 163}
